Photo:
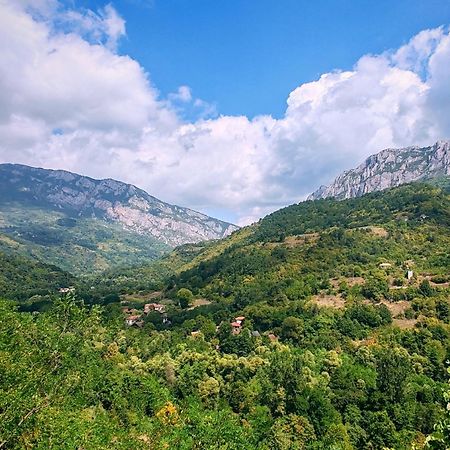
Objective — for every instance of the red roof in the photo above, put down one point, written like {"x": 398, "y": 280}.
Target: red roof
{"x": 241, "y": 318}
{"x": 235, "y": 324}
{"x": 133, "y": 317}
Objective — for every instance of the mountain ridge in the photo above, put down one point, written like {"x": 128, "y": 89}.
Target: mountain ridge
{"x": 389, "y": 168}
{"x": 110, "y": 200}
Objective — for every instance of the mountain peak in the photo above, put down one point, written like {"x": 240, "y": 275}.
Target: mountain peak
{"x": 389, "y": 168}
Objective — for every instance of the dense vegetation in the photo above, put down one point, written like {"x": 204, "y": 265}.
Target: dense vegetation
{"x": 26, "y": 280}
{"x": 344, "y": 344}
{"x": 79, "y": 245}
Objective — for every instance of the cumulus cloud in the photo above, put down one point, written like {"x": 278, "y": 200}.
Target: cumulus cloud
{"x": 69, "y": 100}
{"x": 105, "y": 26}
{"x": 189, "y": 107}
{"x": 183, "y": 95}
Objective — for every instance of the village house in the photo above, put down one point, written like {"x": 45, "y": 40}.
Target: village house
{"x": 134, "y": 320}
{"x": 385, "y": 265}
{"x": 409, "y": 274}
{"x": 236, "y": 326}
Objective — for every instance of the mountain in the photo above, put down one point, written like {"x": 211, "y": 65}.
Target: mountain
{"x": 317, "y": 241}
{"x": 389, "y": 168}
{"x": 83, "y": 225}
{"x": 310, "y": 240}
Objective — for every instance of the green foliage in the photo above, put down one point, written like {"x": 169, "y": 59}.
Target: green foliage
{"x": 184, "y": 297}
{"x": 317, "y": 363}
{"x": 22, "y": 278}
{"x": 82, "y": 246}
{"x": 440, "y": 438}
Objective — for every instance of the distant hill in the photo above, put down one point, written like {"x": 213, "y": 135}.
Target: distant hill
{"x": 22, "y": 278}
{"x": 299, "y": 249}
{"x": 86, "y": 225}
{"x": 389, "y": 168}
{"x": 310, "y": 242}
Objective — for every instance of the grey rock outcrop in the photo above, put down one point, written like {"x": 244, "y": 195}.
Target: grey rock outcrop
{"x": 389, "y": 168}
{"x": 109, "y": 200}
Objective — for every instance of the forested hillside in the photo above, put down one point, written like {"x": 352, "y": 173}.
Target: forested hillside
{"x": 324, "y": 326}
{"x": 22, "y": 279}
{"x": 79, "y": 245}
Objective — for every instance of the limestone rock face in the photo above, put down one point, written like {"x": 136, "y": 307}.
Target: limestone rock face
{"x": 389, "y": 168}
{"x": 108, "y": 200}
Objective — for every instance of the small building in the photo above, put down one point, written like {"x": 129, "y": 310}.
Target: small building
{"x": 272, "y": 337}
{"x": 256, "y": 333}
{"x": 236, "y": 327}
{"x": 133, "y": 320}
{"x": 409, "y": 274}
{"x": 385, "y": 265}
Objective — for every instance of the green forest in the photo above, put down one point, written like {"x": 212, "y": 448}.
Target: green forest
{"x": 326, "y": 325}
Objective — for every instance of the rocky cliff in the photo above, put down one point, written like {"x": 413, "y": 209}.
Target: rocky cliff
{"x": 389, "y": 168}
{"x": 109, "y": 200}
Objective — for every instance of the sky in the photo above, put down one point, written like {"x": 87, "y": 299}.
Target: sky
{"x": 233, "y": 108}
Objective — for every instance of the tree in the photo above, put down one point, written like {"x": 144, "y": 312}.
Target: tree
{"x": 380, "y": 429}
{"x": 425, "y": 288}
{"x": 440, "y": 438}
{"x": 375, "y": 288}
{"x": 292, "y": 329}
{"x": 184, "y": 297}
{"x": 393, "y": 367}
{"x": 291, "y": 432}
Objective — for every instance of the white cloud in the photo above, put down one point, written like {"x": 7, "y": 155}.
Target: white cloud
{"x": 189, "y": 107}
{"x": 183, "y": 94}
{"x": 415, "y": 55}
{"x": 68, "y": 100}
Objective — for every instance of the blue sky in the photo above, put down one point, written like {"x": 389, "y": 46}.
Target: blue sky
{"x": 246, "y": 56}
{"x": 232, "y": 108}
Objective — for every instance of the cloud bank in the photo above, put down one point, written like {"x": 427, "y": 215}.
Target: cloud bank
{"x": 69, "y": 100}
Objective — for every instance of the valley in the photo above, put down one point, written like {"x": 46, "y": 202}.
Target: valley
{"x": 324, "y": 325}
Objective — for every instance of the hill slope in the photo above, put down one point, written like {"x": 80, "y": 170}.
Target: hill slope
{"x": 389, "y": 168}
{"x": 311, "y": 243}
{"x": 298, "y": 251}
{"x": 22, "y": 278}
